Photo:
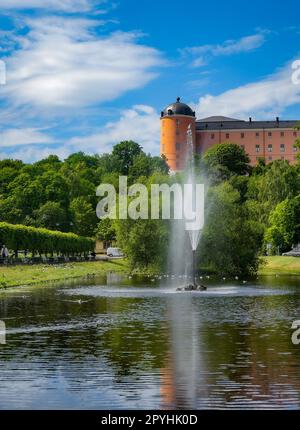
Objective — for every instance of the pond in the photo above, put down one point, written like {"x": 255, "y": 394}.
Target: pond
{"x": 130, "y": 343}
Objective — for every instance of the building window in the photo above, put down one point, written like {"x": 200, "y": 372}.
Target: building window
{"x": 178, "y": 146}
{"x": 295, "y": 134}
{"x": 270, "y": 134}
{"x": 227, "y": 135}
{"x": 282, "y": 133}
{"x": 257, "y": 148}
{"x": 295, "y": 149}
{"x": 177, "y": 122}
{"x": 270, "y": 148}
{"x": 282, "y": 147}
{"x": 270, "y": 158}
{"x": 242, "y": 135}
{"x": 257, "y": 134}
{"x": 212, "y": 136}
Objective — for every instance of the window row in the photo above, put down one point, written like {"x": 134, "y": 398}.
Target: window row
{"x": 257, "y": 134}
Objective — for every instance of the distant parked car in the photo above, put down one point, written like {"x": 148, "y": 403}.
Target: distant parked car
{"x": 295, "y": 252}
{"x": 114, "y": 252}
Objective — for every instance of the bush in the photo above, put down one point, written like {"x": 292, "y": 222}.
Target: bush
{"x": 43, "y": 241}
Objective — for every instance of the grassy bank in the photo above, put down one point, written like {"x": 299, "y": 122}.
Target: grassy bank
{"x": 280, "y": 266}
{"x": 37, "y": 274}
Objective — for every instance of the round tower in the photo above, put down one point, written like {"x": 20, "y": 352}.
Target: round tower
{"x": 175, "y": 120}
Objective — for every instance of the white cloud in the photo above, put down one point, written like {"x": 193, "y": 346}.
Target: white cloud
{"x": 23, "y": 136}
{"x": 141, "y": 124}
{"x": 30, "y": 154}
{"x": 60, "y": 5}
{"x": 229, "y": 47}
{"x": 63, "y": 63}
{"x": 265, "y": 98}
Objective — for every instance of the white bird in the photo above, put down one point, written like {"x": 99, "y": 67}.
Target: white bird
{"x": 77, "y": 301}
{"x": 236, "y": 278}
{"x": 244, "y": 282}
{"x": 224, "y": 279}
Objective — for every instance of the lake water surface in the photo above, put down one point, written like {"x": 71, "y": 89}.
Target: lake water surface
{"x": 120, "y": 343}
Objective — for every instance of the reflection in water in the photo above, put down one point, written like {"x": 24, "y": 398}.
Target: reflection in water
{"x": 123, "y": 343}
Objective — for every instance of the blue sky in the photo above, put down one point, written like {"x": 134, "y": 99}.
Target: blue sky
{"x": 85, "y": 74}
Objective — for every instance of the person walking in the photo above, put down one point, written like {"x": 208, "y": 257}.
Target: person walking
{"x": 4, "y": 253}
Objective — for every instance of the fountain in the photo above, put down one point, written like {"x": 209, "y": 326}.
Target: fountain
{"x": 183, "y": 254}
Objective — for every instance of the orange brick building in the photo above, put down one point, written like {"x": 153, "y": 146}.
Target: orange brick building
{"x": 268, "y": 140}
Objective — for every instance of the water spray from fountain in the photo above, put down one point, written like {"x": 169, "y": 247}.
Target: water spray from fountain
{"x": 186, "y": 234}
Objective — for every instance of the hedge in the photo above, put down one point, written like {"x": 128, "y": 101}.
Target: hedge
{"x": 43, "y": 241}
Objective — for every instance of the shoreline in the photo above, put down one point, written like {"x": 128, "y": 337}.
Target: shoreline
{"x": 39, "y": 274}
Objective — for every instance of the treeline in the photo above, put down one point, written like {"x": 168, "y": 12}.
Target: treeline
{"x": 249, "y": 211}
{"x": 61, "y": 195}
{"x": 42, "y": 241}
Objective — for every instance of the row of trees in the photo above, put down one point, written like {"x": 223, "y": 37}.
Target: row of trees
{"x": 246, "y": 208}
{"x": 61, "y": 195}
{"x": 42, "y": 241}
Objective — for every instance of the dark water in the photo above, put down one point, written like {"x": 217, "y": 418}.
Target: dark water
{"x": 132, "y": 344}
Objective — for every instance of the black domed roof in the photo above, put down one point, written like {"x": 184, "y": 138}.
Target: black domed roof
{"x": 178, "y": 108}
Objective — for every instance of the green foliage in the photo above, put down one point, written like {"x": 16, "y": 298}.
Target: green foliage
{"x": 284, "y": 230}
{"x": 230, "y": 240}
{"x": 106, "y": 230}
{"x": 124, "y": 154}
{"x": 144, "y": 242}
{"x": 224, "y": 160}
{"x": 43, "y": 241}
{"x": 51, "y": 215}
{"x": 84, "y": 216}
{"x": 279, "y": 181}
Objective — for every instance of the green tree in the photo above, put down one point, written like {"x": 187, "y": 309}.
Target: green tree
{"x": 51, "y": 216}
{"x": 106, "y": 230}
{"x": 279, "y": 181}
{"x": 224, "y": 160}
{"x": 231, "y": 240}
{"x": 125, "y": 153}
{"x": 83, "y": 216}
{"x": 284, "y": 229}
{"x": 144, "y": 242}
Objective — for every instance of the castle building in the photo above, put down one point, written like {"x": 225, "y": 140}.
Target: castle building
{"x": 267, "y": 140}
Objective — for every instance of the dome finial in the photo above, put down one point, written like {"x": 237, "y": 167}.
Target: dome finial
{"x": 178, "y": 99}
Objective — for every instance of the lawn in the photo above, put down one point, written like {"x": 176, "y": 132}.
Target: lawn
{"x": 28, "y": 275}
{"x": 280, "y": 265}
